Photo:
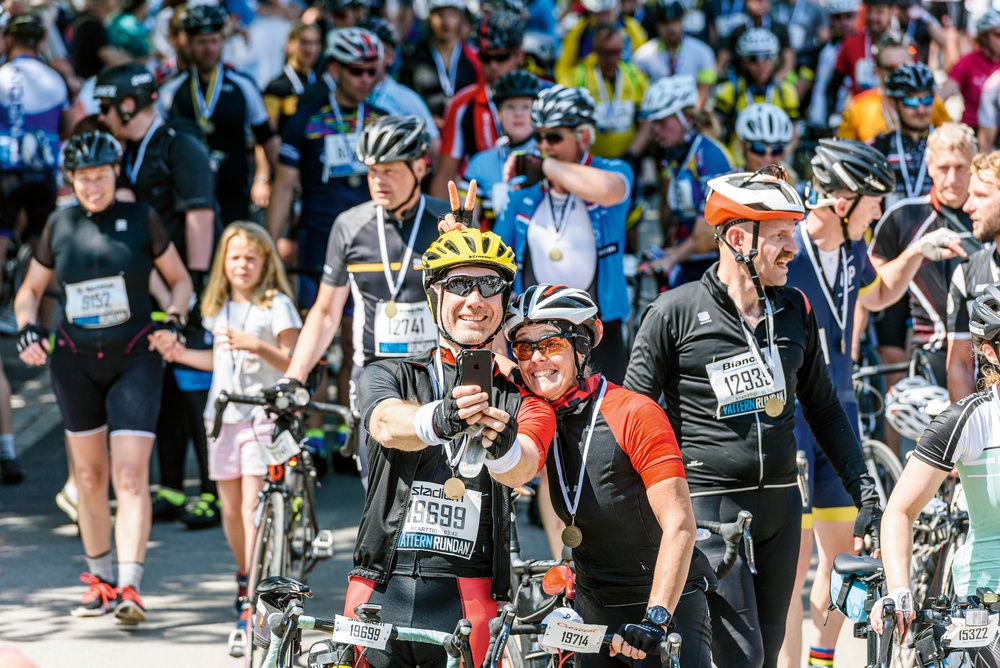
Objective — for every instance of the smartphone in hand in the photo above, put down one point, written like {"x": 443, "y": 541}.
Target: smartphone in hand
{"x": 475, "y": 367}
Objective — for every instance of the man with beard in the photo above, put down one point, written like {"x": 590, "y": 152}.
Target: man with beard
{"x": 971, "y": 279}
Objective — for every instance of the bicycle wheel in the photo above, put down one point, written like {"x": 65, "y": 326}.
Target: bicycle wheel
{"x": 883, "y": 465}
{"x": 302, "y": 526}
{"x": 947, "y": 582}
{"x": 270, "y": 557}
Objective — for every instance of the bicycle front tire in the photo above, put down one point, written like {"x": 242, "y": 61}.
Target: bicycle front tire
{"x": 269, "y": 557}
{"x": 883, "y": 465}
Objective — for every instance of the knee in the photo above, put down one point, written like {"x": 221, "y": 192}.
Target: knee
{"x": 91, "y": 480}
{"x": 131, "y": 480}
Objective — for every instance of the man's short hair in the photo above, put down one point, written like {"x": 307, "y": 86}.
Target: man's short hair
{"x": 952, "y": 137}
{"x": 987, "y": 167}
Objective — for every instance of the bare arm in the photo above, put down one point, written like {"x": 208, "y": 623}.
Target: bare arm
{"x": 112, "y": 57}
{"x": 897, "y": 273}
{"x": 391, "y": 422}
{"x": 199, "y": 232}
{"x": 601, "y": 187}
{"x": 987, "y": 137}
{"x": 318, "y": 331}
{"x": 275, "y": 355}
{"x": 671, "y": 503}
{"x": 171, "y": 267}
{"x": 280, "y": 204}
{"x": 29, "y": 296}
{"x": 961, "y": 368}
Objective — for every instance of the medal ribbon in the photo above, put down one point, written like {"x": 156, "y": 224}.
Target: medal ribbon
{"x": 394, "y": 287}
{"x": 203, "y": 109}
{"x": 447, "y": 78}
{"x": 839, "y": 315}
{"x": 913, "y": 191}
{"x": 133, "y": 170}
{"x": 595, "y": 411}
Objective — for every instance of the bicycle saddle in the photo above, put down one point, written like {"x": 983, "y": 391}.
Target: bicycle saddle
{"x": 278, "y": 586}
{"x": 845, "y": 564}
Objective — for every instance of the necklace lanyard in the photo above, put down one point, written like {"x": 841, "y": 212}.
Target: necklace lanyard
{"x": 594, "y": 412}
{"x": 394, "y": 288}
{"x": 494, "y": 113}
{"x": 559, "y": 225}
{"x": 772, "y": 349}
{"x": 293, "y": 77}
{"x": 683, "y": 167}
{"x": 602, "y": 88}
{"x": 916, "y": 189}
{"x": 839, "y": 315}
{"x": 449, "y": 77}
{"x": 796, "y": 10}
{"x": 672, "y": 59}
{"x": 203, "y": 109}
{"x": 768, "y": 94}
{"x": 133, "y": 171}
{"x": 335, "y": 108}
{"x": 452, "y": 460}
{"x": 240, "y": 355}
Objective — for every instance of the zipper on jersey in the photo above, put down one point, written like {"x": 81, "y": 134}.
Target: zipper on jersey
{"x": 760, "y": 452}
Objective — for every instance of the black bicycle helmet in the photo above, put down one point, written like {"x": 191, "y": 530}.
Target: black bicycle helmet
{"x": 562, "y": 107}
{"x": 204, "y": 19}
{"x": 91, "y": 149}
{"x": 337, "y": 6}
{"x": 27, "y": 29}
{"x": 500, "y": 31}
{"x": 846, "y": 164}
{"x": 518, "y": 83}
{"x": 381, "y": 27}
{"x": 909, "y": 79}
{"x": 393, "y": 139}
{"x": 667, "y": 10}
{"x": 516, "y": 6}
{"x": 984, "y": 321}
{"x": 124, "y": 81}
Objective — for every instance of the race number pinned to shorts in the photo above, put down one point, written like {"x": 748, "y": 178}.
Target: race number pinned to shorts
{"x": 97, "y": 303}
{"x": 615, "y": 116}
{"x": 339, "y": 159}
{"x": 574, "y": 636}
{"x": 410, "y": 330}
{"x": 281, "y": 449}
{"x": 435, "y": 523}
{"x": 355, "y": 632}
{"x": 744, "y": 384}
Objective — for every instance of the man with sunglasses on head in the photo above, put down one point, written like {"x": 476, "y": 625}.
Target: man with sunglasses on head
{"x": 370, "y": 255}
{"x": 433, "y": 544}
{"x": 730, "y": 354}
{"x": 910, "y": 90}
{"x": 832, "y": 269}
{"x": 471, "y": 124}
{"x": 566, "y": 220}
{"x": 318, "y": 150}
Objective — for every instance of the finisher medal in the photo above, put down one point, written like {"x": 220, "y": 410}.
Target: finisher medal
{"x": 572, "y": 537}
{"x": 454, "y": 489}
{"x": 390, "y": 310}
{"x": 555, "y": 255}
{"x": 774, "y": 406}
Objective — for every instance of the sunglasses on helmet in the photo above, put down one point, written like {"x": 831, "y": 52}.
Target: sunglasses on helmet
{"x": 549, "y": 346}
{"x": 464, "y": 285}
{"x": 776, "y": 172}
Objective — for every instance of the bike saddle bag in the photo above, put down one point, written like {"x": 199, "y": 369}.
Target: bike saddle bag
{"x": 533, "y": 604}
{"x": 261, "y": 628}
{"x": 848, "y": 595}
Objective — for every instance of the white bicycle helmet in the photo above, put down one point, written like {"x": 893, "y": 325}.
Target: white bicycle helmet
{"x": 912, "y": 403}
{"x": 441, "y": 4}
{"x": 669, "y": 96}
{"x": 758, "y": 42}
{"x": 598, "y": 6}
{"x": 547, "y": 303}
{"x": 764, "y": 123}
{"x": 842, "y": 6}
{"x": 988, "y": 22}
{"x": 354, "y": 46}
{"x": 559, "y": 614}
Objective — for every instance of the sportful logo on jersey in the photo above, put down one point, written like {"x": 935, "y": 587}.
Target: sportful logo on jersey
{"x": 704, "y": 318}
{"x": 121, "y": 225}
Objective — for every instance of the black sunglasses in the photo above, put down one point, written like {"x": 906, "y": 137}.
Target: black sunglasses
{"x": 502, "y": 57}
{"x": 106, "y": 108}
{"x": 464, "y": 285}
{"x": 552, "y": 138}
{"x": 774, "y": 171}
{"x": 360, "y": 71}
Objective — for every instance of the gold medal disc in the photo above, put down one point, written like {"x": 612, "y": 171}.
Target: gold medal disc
{"x": 354, "y": 181}
{"x": 454, "y": 489}
{"x": 208, "y": 126}
{"x": 572, "y": 537}
{"x": 390, "y": 310}
{"x": 774, "y": 406}
{"x": 555, "y": 255}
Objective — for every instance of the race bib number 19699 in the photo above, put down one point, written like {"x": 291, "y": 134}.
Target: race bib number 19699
{"x": 366, "y": 634}
{"x": 435, "y": 523}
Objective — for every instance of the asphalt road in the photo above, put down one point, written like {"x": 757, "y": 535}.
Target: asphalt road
{"x": 188, "y": 586}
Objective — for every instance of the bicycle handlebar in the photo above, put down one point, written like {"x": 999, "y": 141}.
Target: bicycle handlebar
{"x": 271, "y": 405}
{"x": 732, "y": 533}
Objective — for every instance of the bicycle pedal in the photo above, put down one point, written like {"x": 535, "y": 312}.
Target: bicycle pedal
{"x": 322, "y": 545}
{"x": 237, "y": 642}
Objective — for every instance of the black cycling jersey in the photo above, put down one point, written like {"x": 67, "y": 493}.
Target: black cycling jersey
{"x": 421, "y": 74}
{"x": 172, "y": 173}
{"x": 354, "y": 257}
{"x": 409, "y": 527}
{"x": 904, "y": 223}
{"x": 102, "y": 262}
{"x": 696, "y": 325}
{"x": 909, "y": 165}
{"x": 967, "y": 283}
{"x": 239, "y": 111}
{"x": 281, "y": 95}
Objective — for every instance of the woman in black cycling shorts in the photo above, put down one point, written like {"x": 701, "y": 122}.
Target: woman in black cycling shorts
{"x": 102, "y": 252}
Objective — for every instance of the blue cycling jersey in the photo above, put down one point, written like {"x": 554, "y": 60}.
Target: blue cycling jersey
{"x": 690, "y": 167}
{"x": 32, "y": 99}
{"x": 834, "y": 310}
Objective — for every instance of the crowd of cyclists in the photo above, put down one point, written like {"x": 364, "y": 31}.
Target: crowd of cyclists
{"x": 216, "y": 194}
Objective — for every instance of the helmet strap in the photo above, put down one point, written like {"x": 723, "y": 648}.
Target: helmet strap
{"x": 847, "y": 217}
{"x": 684, "y": 121}
{"x": 400, "y": 210}
{"x": 747, "y": 259}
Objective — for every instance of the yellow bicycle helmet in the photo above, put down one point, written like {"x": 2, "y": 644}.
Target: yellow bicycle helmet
{"x": 467, "y": 247}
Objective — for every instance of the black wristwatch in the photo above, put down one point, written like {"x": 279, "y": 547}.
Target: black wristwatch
{"x": 659, "y": 615}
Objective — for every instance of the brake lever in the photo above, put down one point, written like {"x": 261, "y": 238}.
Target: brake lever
{"x": 746, "y": 517}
